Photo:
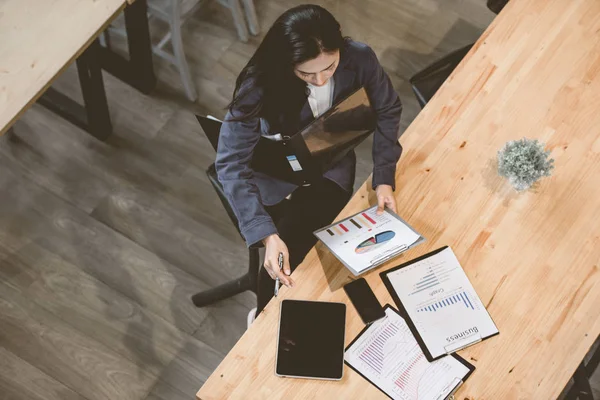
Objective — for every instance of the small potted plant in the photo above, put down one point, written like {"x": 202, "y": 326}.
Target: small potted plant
{"x": 524, "y": 162}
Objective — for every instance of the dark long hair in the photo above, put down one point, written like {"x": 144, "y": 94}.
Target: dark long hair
{"x": 298, "y": 35}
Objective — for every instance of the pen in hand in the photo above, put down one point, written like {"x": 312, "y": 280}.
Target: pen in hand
{"x": 280, "y": 262}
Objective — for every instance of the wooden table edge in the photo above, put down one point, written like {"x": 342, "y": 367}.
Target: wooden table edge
{"x": 18, "y": 115}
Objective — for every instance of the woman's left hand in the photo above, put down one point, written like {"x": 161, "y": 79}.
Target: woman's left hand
{"x": 385, "y": 197}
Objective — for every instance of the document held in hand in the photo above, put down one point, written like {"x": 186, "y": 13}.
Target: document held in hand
{"x": 366, "y": 240}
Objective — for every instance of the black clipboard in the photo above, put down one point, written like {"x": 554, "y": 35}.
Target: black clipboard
{"x": 404, "y": 314}
{"x": 470, "y": 366}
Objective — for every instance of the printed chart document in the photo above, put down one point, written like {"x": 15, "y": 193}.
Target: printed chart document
{"x": 443, "y": 308}
{"x": 366, "y": 240}
{"x": 387, "y": 354}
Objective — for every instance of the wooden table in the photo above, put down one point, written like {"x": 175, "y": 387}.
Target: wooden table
{"x": 534, "y": 257}
{"x": 39, "y": 39}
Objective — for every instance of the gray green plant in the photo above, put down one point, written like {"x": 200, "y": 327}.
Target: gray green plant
{"x": 524, "y": 162}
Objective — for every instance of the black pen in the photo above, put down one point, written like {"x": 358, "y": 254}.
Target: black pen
{"x": 280, "y": 262}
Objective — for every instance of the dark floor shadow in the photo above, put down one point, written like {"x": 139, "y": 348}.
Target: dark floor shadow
{"x": 406, "y": 63}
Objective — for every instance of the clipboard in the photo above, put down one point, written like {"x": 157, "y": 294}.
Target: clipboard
{"x": 381, "y": 257}
{"x": 404, "y": 314}
{"x": 450, "y": 395}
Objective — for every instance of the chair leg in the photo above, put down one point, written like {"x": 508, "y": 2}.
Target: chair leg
{"x": 181, "y": 62}
{"x": 583, "y": 389}
{"x": 104, "y": 39}
{"x": 253, "y": 25}
{"x": 229, "y": 289}
{"x": 238, "y": 19}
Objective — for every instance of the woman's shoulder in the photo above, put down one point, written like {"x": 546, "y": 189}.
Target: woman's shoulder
{"x": 358, "y": 53}
{"x": 355, "y": 47}
{"x": 246, "y": 98}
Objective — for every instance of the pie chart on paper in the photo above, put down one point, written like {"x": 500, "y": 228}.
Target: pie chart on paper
{"x": 375, "y": 242}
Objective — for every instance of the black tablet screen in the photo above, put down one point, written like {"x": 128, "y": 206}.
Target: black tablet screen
{"x": 311, "y": 339}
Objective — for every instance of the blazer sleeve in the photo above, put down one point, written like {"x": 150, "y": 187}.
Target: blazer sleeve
{"x": 387, "y": 106}
{"x": 236, "y": 145}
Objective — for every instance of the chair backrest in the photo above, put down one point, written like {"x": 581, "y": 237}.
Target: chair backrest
{"x": 426, "y": 82}
{"x": 212, "y": 128}
{"x": 496, "y": 6}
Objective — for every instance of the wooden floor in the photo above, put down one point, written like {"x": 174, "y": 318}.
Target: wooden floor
{"x": 102, "y": 243}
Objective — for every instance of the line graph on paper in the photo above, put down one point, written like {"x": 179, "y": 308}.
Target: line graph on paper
{"x": 384, "y": 343}
{"x": 388, "y": 355}
{"x": 413, "y": 379}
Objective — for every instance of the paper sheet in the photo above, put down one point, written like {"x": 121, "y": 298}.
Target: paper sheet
{"x": 388, "y": 355}
{"x": 366, "y": 238}
{"x": 442, "y": 303}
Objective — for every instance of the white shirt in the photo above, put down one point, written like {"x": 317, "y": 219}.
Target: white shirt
{"x": 320, "y": 97}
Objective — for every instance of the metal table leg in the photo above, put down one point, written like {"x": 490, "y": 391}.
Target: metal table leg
{"x": 93, "y": 116}
{"x": 138, "y": 71}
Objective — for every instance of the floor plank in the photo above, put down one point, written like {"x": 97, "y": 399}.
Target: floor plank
{"x": 63, "y": 353}
{"x": 101, "y": 252}
{"x": 224, "y": 325}
{"x": 195, "y": 248}
{"x": 21, "y": 381}
{"x": 164, "y": 391}
{"x": 97, "y": 310}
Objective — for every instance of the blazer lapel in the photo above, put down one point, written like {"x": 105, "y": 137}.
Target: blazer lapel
{"x": 343, "y": 79}
{"x": 306, "y": 115}
{"x": 343, "y": 84}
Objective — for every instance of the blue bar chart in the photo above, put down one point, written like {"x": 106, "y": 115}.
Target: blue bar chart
{"x": 461, "y": 298}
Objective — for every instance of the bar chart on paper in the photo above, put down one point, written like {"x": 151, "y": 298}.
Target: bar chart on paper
{"x": 388, "y": 355}
{"x": 363, "y": 222}
{"x": 461, "y": 299}
{"x": 441, "y": 302}
{"x": 435, "y": 274}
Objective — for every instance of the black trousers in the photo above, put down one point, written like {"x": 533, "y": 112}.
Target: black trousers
{"x": 310, "y": 208}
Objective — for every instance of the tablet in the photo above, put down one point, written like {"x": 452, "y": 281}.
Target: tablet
{"x": 310, "y": 341}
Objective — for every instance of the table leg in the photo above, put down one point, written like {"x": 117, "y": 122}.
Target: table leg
{"x": 138, "y": 71}
{"x": 94, "y": 117}
{"x": 140, "y": 46}
{"x": 94, "y": 95}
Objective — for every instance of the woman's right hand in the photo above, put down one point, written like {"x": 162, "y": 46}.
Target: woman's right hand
{"x": 273, "y": 247}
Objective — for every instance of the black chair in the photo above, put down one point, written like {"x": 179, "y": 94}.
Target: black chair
{"x": 249, "y": 280}
{"x": 429, "y": 80}
{"x": 496, "y": 6}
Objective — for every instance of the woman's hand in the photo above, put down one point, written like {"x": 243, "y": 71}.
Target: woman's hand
{"x": 273, "y": 247}
{"x": 385, "y": 197}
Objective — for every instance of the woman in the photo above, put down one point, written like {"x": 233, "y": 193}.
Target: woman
{"x": 302, "y": 67}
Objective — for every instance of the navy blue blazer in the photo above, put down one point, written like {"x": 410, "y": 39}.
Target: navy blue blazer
{"x": 248, "y": 191}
